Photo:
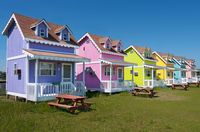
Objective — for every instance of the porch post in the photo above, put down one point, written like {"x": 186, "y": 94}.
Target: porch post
{"x": 27, "y": 77}
{"x": 152, "y": 77}
{"x": 132, "y": 77}
{"x": 36, "y": 79}
{"x": 84, "y": 73}
{"x": 110, "y": 79}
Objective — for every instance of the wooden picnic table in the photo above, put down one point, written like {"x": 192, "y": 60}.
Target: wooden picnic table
{"x": 144, "y": 91}
{"x": 180, "y": 86}
{"x": 70, "y": 102}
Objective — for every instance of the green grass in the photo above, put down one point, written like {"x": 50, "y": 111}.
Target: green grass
{"x": 172, "y": 110}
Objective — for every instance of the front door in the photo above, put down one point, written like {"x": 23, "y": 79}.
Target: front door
{"x": 120, "y": 73}
{"x": 66, "y": 72}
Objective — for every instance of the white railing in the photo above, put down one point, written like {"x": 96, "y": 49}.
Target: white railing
{"x": 120, "y": 85}
{"x": 47, "y": 91}
{"x": 193, "y": 80}
{"x": 169, "y": 82}
{"x": 184, "y": 80}
{"x": 80, "y": 88}
{"x": 153, "y": 83}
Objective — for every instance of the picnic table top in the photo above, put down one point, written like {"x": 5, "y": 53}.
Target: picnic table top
{"x": 141, "y": 88}
{"x": 72, "y": 97}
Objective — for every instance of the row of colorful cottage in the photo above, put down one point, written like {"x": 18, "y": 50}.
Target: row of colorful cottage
{"x": 44, "y": 59}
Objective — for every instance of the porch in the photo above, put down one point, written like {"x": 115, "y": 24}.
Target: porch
{"x": 48, "y": 91}
{"x": 112, "y": 76}
{"x": 50, "y": 74}
{"x": 150, "y": 76}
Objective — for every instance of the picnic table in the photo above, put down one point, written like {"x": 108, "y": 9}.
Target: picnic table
{"x": 180, "y": 86}
{"x": 70, "y": 102}
{"x": 144, "y": 91}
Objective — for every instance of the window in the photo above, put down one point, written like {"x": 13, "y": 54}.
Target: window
{"x": 65, "y": 37}
{"x": 107, "y": 71}
{"x": 168, "y": 74}
{"x": 136, "y": 74}
{"x": 148, "y": 73}
{"x": 107, "y": 46}
{"x": 42, "y": 33}
{"x": 15, "y": 69}
{"x": 47, "y": 69}
{"x": 119, "y": 48}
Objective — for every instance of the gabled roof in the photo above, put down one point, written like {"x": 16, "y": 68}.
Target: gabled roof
{"x": 115, "y": 43}
{"x": 140, "y": 50}
{"x": 38, "y": 22}
{"x": 162, "y": 56}
{"x": 59, "y": 29}
{"x": 24, "y": 23}
{"x": 98, "y": 40}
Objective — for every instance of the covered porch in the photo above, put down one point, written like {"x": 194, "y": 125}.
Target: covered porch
{"x": 112, "y": 76}
{"x": 194, "y": 78}
{"x": 150, "y": 76}
{"x": 169, "y": 75}
{"x": 182, "y": 79}
{"x": 50, "y": 74}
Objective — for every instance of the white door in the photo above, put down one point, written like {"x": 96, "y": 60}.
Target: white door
{"x": 120, "y": 74}
{"x": 66, "y": 72}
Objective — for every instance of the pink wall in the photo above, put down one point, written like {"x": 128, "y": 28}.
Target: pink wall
{"x": 114, "y": 77}
{"x": 188, "y": 72}
{"x": 108, "y": 56}
{"x": 87, "y": 49}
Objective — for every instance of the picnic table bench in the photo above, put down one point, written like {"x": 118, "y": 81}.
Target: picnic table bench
{"x": 180, "y": 86}
{"x": 70, "y": 102}
{"x": 144, "y": 91}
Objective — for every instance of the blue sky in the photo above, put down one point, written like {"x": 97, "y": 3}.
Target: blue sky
{"x": 171, "y": 26}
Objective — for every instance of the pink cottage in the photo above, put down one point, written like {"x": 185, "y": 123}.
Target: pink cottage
{"x": 105, "y": 72}
{"x": 191, "y": 73}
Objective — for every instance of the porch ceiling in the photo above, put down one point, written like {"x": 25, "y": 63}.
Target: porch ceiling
{"x": 34, "y": 54}
{"x": 116, "y": 62}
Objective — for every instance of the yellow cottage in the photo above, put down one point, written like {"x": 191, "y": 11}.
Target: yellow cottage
{"x": 165, "y": 74}
{"x": 145, "y": 69}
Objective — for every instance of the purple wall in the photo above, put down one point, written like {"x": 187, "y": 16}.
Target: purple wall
{"x": 13, "y": 83}
{"x": 53, "y": 48}
{"x": 48, "y": 79}
{"x": 15, "y": 42}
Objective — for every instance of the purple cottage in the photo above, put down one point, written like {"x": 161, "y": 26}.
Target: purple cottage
{"x": 41, "y": 59}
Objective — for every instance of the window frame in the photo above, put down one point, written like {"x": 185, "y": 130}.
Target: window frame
{"x": 41, "y": 30}
{"x": 52, "y": 70}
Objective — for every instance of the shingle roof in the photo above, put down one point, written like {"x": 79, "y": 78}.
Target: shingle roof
{"x": 26, "y": 22}
{"x": 141, "y": 50}
{"x": 101, "y": 39}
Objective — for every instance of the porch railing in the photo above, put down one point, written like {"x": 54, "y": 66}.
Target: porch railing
{"x": 48, "y": 91}
{"x": 193, "y": 80}
{"x": 180, "y": 81}
{"x": 169, "y": 82}
{"x": 153, "y": 83}
{"x": 123, "y": 85}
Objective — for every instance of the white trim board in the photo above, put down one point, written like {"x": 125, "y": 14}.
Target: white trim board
{"x": 14, "y": 18}
{"x": 17, "y": 57}
{"x": 51, "y": 43}
{"x": 106, "y": 52}
{"x": 16, "y": 94}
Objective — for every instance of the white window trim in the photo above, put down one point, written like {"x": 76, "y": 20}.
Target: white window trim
{"x": 52, "y": 70}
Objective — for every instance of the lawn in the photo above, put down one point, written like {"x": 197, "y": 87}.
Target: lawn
{"x": 172, "y": 110}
